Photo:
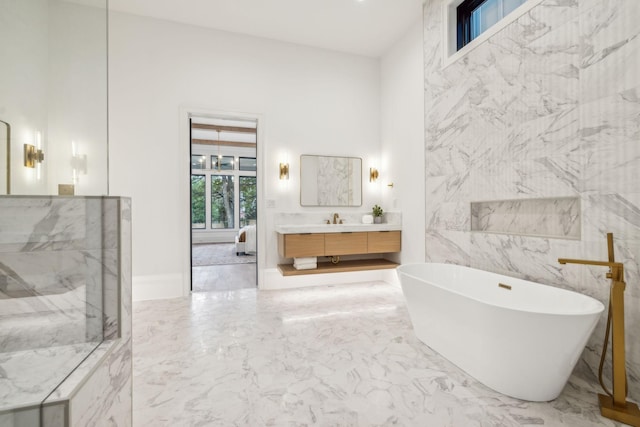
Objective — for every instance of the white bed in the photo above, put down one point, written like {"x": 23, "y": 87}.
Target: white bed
{"x": 246, "y": 240}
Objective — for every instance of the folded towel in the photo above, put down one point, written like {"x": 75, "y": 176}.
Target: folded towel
{"x": 305, "y": 260}
{"x": 305, "y": 266}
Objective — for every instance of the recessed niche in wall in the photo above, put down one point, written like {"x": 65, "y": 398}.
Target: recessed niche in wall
{"x": 553, "y": 217}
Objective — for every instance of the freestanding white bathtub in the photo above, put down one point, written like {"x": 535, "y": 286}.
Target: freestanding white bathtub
{"x": 520, "y": 338}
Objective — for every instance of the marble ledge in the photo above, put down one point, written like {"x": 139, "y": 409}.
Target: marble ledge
{"x": 46, "y": 368}
{"x": 335, "y": 228}
{"x": 82, "y": 372}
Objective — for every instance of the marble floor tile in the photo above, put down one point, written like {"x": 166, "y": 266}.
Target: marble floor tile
{"x": 328, "y": 356}
{"x": 223, "y": 277}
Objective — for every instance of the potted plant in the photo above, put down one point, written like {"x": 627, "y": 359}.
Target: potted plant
{"x": 377, "y": 214}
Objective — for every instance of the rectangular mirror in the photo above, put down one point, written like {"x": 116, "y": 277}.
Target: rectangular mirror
{"x": 330, "y": 181}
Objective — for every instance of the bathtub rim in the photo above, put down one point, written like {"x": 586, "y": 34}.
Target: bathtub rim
{"x": 598, "y": 308}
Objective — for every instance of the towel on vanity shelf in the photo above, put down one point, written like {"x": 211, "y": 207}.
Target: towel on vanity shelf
{"x": 307, "y": 263}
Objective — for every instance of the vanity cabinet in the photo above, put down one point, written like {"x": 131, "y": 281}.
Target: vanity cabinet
{"x": 300, "y": 245}
{"x": 383, "y": 242}
{"x": 345, "y": 243}
{"x": 335, "y": 244}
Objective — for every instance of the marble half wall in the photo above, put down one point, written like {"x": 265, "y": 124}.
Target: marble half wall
{"x": 548, "y": 107}
{"x": 65, "y": 310}
{"x": 100, "y": 390}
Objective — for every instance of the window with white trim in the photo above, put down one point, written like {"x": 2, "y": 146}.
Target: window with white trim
{"x": 223, "y": 175}
{"x": 469, "y": 23}
{"x": 474, "y": 17}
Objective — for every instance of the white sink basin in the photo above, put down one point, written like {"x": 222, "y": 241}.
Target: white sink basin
{"x": 334, "y": 228}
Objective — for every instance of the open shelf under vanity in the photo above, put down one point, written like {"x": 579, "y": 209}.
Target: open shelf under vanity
{"x": 341, "y": 267}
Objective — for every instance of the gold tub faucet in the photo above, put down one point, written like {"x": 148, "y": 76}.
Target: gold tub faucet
{"x": 614, "y": 405}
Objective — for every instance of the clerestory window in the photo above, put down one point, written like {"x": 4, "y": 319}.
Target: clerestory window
{"x": 474, "y": 17}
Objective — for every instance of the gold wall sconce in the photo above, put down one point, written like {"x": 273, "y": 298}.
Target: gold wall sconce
{"x": 284, "y": 170}
{"x": 373, "y": 174}
{"x": 32, "y": 156}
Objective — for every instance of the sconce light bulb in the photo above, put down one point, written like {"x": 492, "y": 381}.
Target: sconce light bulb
{"x": 284, "y": 170}
{"x": 373, "y": 174}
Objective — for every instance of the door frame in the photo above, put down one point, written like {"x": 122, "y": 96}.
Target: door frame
{"x": 184, "y": 186}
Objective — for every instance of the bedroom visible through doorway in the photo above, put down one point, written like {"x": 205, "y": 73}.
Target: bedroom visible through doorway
{"x": 223, "y": 203}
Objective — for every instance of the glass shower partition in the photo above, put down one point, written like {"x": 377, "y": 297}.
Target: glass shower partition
{"x": 51, "y": 297}
{"x": 55, "y": 256}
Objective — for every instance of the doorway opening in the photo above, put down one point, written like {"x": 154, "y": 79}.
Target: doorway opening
{"x": 223, "y": 201}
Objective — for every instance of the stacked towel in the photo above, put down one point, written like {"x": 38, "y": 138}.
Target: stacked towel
{"x": 308, "y": 263}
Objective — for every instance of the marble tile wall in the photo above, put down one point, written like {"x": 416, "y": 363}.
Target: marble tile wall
{"x": 50, "y": 271}
{"x": 547, "y": 107}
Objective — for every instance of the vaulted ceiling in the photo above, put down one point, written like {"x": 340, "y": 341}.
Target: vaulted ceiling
{"x": 362, "y": 27}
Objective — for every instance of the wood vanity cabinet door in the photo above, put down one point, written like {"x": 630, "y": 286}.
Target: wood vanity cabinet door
{"x": 345, "y": 243}
{"x": 383, "y": 241}
{"x": 300, "y": 245}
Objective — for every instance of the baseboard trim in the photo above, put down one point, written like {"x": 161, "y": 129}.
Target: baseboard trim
{"x": 157, "y": 287}
{"x": 165, "y": 286}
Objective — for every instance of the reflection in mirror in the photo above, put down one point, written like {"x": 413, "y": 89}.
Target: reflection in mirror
{"x": 5, "y": 155}
{"x": 330, "y": 181}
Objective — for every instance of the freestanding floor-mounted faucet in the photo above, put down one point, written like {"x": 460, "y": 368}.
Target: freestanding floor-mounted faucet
{"x": 614, "y": 405}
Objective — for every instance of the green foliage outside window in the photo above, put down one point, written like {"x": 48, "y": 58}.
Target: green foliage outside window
{"x": 248, "y": 200}
{"x": 198, "y": 201}
{"x": 222, "y": 201}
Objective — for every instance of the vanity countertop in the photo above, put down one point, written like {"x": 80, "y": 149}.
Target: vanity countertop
{"x": 335, "y": 228}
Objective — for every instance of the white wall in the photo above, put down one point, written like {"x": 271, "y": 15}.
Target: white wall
{"x": 23, "y": 86}
{"x": 77, "y": 95}
{"x": 402, "y": 132}
{"x": 309, "y": 101}
{"x": 53, "y": 83}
